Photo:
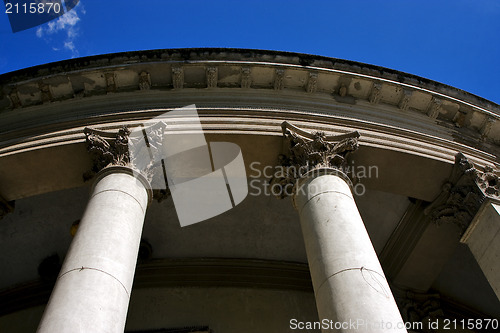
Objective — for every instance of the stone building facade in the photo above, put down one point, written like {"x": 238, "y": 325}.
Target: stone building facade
{"x": 372, "y": 198}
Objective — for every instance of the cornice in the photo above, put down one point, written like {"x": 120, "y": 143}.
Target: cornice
{"x": 338, "y": 82}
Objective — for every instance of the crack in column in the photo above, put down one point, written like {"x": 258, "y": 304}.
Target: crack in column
{"x": 95, "y": 269}
{"x": 361, "y": 269}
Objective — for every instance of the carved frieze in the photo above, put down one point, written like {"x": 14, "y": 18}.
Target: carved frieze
{"x": 375, "y": 94}
{"x": 460, "y": 115}
{"x": 211, "y": 77}
{"x": 487, "y": 125}
{"x": 279, "y": 79}
{"x": 110, "y": 82}
{"x": 405, "y": 99}
{"x": 46, "y": 95}
{"x": 342, "y": 90}
{"x": 177, "y": 77}
{"x": 307, "y": 151}
{"x": 312, "y": 82}
{"x": 246, "y": 77}
{"x": 434, "y": 107}
{"x": 14, "y": 98}
{"x": 144, "y": 81}
{"x": 463, "y": 194}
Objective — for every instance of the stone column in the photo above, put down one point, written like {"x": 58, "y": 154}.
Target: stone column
{"x": 93, "y": 288}
{"x": 351, "y": 290}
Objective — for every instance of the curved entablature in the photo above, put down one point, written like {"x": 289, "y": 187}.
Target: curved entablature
{"x": 343, "y": 82}
{"x": 44, "y": 109}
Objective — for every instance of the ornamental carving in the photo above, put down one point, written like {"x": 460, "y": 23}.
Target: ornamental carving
{"x": 417, "y": 307}
{"x": 106, "y": 149}
{"x": 178, "y": 77}
{"x": 487, "y": 126}
{"x": 375, "y": 94}
{"x": 110, "y": 82}
{"x": 307, "y": 151}
{"x": 434, "y": 107}
{"x": 139, "y": 150}
{"x": 463, "y": 193}
{"x": 144, "y": 81}
{"x": 45, "y": 94}
{"x": 14, "y": 98}
{"x": 279, "y": 79}
{"x": 211, "y": 77}
{"x": 312, "y": 83}
{"x": 405, "y": 99}
{"x": 246, "y": 77}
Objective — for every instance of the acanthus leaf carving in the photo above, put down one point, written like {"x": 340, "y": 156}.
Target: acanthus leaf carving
{"x": 308, "y": 151}
{"x": 106, "y": 149}
{"x": 463, "y": 193}
{"x": 420, "y": 308}
{"x": 140, "y": 150}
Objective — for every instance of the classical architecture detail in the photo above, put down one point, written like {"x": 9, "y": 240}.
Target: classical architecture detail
{"x": 246, "y": 77}
{"x": 110, "y": 82}
{"x": 177, "y": 77}
{"x": 211, "y": 77}
{"x": 14, "y": 98}
{"x": 45, "y": 93}
{"x": 279, "y": 79}
{"x": 6, "y": 207}
{"x": 144, "y": 81}
{"x": 434, "y": 107}
{"x": 463, "y": 194}
{"x": 359, "y": 228}
{"x": 487, "y": 125}
{"x": 312, "y": 82}
{"x": 375, "y": 93}
{"x": 342, "y": 90}
{"x": 307, "y": 151}
{"x": 459, "y": 117}
{"x": 489, "y": 182}
{"x": 405, "y": 99}
{"x": 106, "y": 149}
{"x": 404, "y": 238}
{"x": 419, "y": 307}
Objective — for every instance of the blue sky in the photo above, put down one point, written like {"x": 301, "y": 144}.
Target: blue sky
{"x": 456, "y": 42}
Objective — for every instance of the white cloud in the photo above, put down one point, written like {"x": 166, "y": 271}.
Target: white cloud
{"x": 66, "y": 24}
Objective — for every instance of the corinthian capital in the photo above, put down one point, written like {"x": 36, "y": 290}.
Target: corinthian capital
{"x": 463, "y": 194}
{"x": 139, "y": 149}
{"x": 106, "y": 149}
{"x": 308, "y": 151}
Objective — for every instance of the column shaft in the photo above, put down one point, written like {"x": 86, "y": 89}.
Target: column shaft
{"x": 93, "y": 288}
{"x": 348, "y": 280}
